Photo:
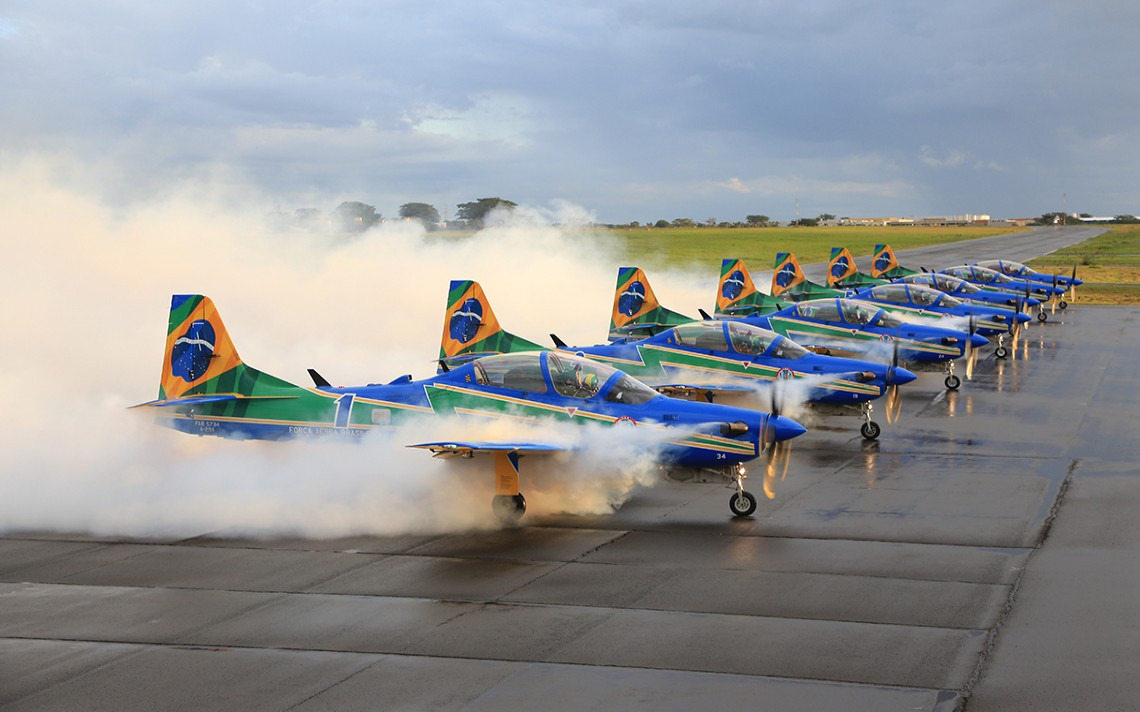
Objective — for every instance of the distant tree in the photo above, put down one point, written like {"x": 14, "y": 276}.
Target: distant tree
{"x": 475, "y": 213}
{"x": 661, "y": 223}
{"x": 353, "y": 216}
{"x": 758, "y": 220}
{"x": 1057, "y": 219}
{"x": 825, "y": 217}
{"x": 427, "y": 214}
{"x": 307, "y": 218}
{"x": 806, "y": 222}
{"x": 683, "y": 222}
{"x": 634, "y": 224}
{"x": 1127, "y": 219}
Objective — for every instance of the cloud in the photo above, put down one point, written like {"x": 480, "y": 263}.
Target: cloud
{"x": 587, "y": 102}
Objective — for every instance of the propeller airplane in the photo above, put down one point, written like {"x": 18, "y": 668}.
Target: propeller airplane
{"x": 206, "y": 389}
{"x": 710, "y": 359}
{"x": 925, "y": 302}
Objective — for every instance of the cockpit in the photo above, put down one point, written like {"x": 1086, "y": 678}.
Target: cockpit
{"x": 708, "y": 335}
{"x": 1009, "y": 267}
{"x": 979, "y": 274}
{"x": 569, "y": 376}
{"x": 890, "y": 293}
{"x": 754, "y": 341}
{"x": 858, "y": 312}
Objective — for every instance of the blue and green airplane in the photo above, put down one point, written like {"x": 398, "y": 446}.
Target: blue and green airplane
{"x": 918, "y": 301}
{"x": 206, "y": 389}
{"x": 696, "y": 359}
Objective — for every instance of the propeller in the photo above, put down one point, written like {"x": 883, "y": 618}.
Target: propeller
{"x": 894, "y": 404}
{"x": 778, "y": 454}
{"x": 1015, "y": 329}
{"x": 1073, "y": 283}
{"x": 971, "y": 353}
{"x": 1053, "y": 304}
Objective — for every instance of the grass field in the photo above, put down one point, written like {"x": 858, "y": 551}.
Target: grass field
{"x": 704, "y": 248}
{"x": 1108, "y": 263}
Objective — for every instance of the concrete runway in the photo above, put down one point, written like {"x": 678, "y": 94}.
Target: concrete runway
{"x": 982, "y": 556}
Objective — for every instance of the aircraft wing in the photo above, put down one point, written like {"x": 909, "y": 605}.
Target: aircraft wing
{"x": 205, "y": 398}
{"x": 468, "y": 448}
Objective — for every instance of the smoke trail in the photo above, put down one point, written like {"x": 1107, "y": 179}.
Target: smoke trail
{"x": 91, "y": 285}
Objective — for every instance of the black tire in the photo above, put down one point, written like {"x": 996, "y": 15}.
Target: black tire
{"x": 1001, "y": 352}
{"x": 870, "y": 430}
{"x": 953, "y": 382}
{"x": 508, "y": 509}
{"x": 1063, "y": 304}
{"x": 1042, "y": 316}
{"x": 742, "y": 504}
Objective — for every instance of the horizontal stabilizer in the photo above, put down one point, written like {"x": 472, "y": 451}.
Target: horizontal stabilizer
{"x": 207, "y": 398}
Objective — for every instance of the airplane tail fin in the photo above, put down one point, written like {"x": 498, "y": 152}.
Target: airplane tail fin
{"x": 470, "y": 329}
{"x": 637, "y": 313}
{"x": 787, "y": 275}
{"x": 200, "y": 362}
{"x": 737, "y": 295}
{"x": 885, "y": 265}
{"x": 840, "y": 267}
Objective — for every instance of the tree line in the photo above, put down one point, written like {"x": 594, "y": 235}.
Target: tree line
{"x": 356, "y": 216}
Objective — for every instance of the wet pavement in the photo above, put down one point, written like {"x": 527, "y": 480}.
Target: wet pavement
{"x": 982, "y": 555}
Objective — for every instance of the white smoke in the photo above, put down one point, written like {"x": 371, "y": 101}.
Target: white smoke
{"x": 87, "y": 289}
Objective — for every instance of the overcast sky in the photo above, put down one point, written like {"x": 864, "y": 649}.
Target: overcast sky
{"x": 633, "y": 110}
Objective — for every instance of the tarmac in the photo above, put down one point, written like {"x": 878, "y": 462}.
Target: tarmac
{"x": 982, "y": 555}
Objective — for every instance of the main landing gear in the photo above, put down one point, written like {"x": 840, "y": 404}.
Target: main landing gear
{"x": 870, "y": 429}
{"x": 508, "y": 508}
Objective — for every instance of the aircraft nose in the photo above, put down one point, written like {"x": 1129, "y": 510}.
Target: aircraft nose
{"x": 1021, "y": 317}
{"x": 901, "y": 376}
{"x": 786, "y": 428}
{"x": 1033, "y": 302}
{"x": 978, "y": 341}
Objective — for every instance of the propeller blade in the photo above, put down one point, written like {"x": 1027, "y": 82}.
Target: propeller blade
{"x": 971, "y": 353}
{"x": 769, "y": 479}
{"x": 1053, "y": 306}
{"x": 768, "y": 443}
{"x": 894, "y": 405}
{"x": 784, "y": 453}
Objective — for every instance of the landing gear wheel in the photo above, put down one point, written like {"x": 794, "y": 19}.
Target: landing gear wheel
{"x": 1063, "y": 304}
{"x": 508, "y": 508}
{"x": 1042, "y": 316}
{"x": 953, "y": 382}
{"x": 1001, "y": 352}
{"x": 742, "y": 504}
{"x": 870, "y": 430}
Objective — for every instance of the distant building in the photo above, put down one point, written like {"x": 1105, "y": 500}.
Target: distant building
{"x": 933, "y": 221}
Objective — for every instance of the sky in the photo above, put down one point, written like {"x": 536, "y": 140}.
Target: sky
{"x": 631, "y": 110}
